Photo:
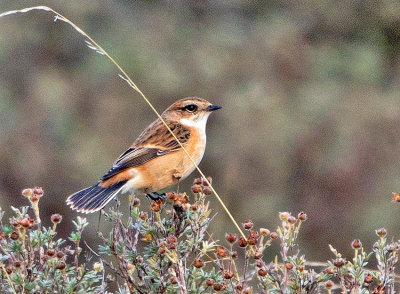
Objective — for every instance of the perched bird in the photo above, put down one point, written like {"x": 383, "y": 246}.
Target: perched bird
{"x": 155, "y": 160}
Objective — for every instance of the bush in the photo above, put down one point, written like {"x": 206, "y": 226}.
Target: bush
{"x": 167, "y": 248}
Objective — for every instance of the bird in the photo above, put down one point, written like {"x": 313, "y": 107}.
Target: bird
{"x": 155, "y": 160}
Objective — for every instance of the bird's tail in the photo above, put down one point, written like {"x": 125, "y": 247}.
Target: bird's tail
{"x": 93, "y": 198}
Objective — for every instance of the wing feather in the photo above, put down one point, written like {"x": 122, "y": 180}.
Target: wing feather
{"x": 155, "y": 141}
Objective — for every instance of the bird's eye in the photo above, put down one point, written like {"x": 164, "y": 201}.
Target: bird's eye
{"x": 190, "y": 108}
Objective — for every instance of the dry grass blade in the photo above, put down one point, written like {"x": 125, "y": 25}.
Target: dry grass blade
{"x": 92, "y": 44}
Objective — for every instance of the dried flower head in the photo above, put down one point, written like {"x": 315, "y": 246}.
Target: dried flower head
{"x": 242, "y": 242}
{"x": 136, "y": 202}
{"x": 14, "y": 236}
{"x": 198, "y": 263}
{"x": 51, "y": 252}
{"x": 207, "y": 190}
{"x": 368, "y": 279}
{"x": 381, "y": 232}
{"x": 221, "y": 252}
{"x": 330, "y": 271}
{"x": 217, "y": 287}
{"x": 156, "y": 205}
{"x": 248, "y": 225}
{"x": 171, "y": 196}
{"x": 231, "y": 238}
{"x": 27, "y": 193}
{"x": 257, "y": 254}
{"x": 228, "y": 275}
{"x": 61, "y": 266}
{"x": 291, "y": 220}
{"x": 284, "y": 215}
{"x": 356, "y": 244}
{"x": 289, "y": 266}
{"x": 210, "y": 282}
{"x": 196, "y": 189}
{"x": 262, "y": 272}
{"x": 274, "y": 235}
{"x": 339, "y": 262}
{"x": 264, "y": 232}
{"x": 143, "y": 215}
{"x": 198, "y": 181}
{"x": 251, "y": 241}
{"x": 329, "y": 285}
{"x": 56, "y": 218}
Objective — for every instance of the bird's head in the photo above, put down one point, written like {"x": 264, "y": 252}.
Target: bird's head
{"x": 191, "y": 111}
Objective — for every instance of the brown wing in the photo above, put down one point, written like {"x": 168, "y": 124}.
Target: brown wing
{"x": 157, "y": 135}
{"x": 155, "y": 141}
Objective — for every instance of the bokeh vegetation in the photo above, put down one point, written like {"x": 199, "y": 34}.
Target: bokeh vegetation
{"x": 310, "y": 92}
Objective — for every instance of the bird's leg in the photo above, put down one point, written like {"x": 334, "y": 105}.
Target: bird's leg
{"x": 156, "y": 196}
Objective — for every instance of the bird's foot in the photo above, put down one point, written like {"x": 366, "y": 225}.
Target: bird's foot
{"x": 156, "y": 196}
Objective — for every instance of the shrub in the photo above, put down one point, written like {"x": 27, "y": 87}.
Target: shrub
{"x": 167, "y": 248}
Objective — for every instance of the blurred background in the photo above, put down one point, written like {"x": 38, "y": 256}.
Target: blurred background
{"x": 310, "y": 93}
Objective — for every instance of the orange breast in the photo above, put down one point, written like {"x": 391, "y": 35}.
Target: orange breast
{"x": 167, "y": 170}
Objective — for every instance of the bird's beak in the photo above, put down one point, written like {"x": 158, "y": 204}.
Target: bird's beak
{"x": 213, "y": 107}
